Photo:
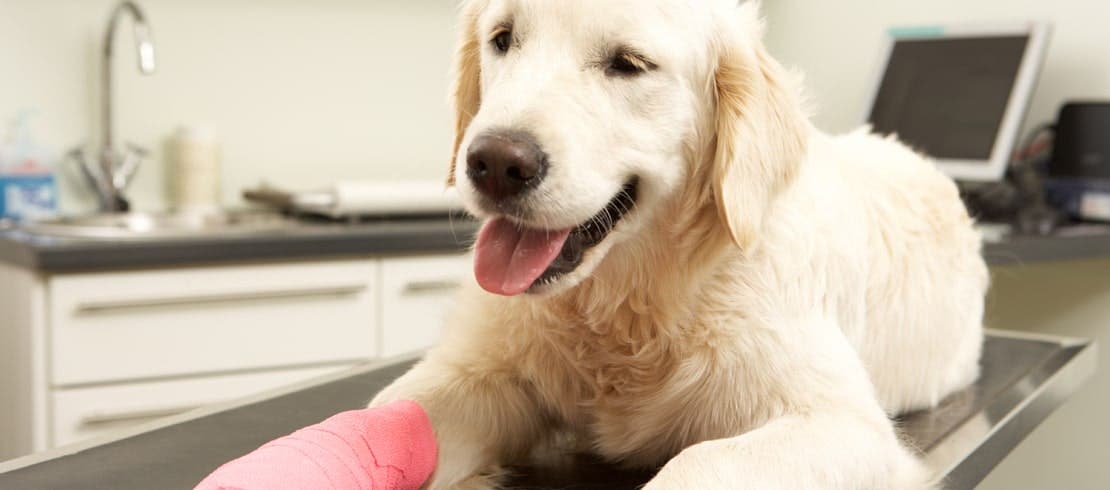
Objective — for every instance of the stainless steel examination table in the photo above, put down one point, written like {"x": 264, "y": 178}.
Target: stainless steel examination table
{"x": 1023, "y": 380}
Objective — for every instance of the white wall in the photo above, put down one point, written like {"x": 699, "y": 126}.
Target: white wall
{"x": 299, "y": 93}
{"x": 836, "y": 46}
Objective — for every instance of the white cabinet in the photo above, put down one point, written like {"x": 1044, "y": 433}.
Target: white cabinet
{"x": 129, "y": 325}
{"x": 85, "y": 354}
{"x": 416, "y": 295}
{"x": 80, "y": 413}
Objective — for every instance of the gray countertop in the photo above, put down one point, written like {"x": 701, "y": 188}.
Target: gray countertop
{"x": 1082, "y": 242}
{"x": 1023, "y": 380}
{"x": 320, "y": 240}
{"x": 302, "y": 240}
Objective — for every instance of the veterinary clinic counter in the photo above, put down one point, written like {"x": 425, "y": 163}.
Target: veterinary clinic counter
{"x": 1023, "y": 380}
{"x": 1074, "y": 242}
{"x": 294, "y": 240}
{"x": 315, "y": 240}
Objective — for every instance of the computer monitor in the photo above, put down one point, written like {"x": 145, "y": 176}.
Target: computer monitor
{"x": 958, "y": 94}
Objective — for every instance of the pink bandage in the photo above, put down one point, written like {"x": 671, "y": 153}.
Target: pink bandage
{"x": 386, "y": 448}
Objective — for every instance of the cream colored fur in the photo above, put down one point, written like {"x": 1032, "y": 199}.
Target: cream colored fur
{"x": 774, "y": 295}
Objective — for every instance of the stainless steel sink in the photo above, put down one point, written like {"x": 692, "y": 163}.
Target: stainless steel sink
{"x": 151, "y": 226}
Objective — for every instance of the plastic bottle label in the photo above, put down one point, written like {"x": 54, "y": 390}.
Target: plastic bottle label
{"x": 27, "y": 196}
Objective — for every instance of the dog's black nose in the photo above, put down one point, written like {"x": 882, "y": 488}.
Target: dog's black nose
{"x": 503, "y": 164}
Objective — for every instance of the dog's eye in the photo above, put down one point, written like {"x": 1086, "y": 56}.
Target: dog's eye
{"x": 502, "y": 41}
{"x": 627, "y": 63}
{"x": 624, "y": 66}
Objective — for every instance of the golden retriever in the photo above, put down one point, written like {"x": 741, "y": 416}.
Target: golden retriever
{"x": 678, "y": 269}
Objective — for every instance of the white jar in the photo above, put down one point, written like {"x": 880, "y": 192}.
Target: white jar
{"x": 194, "y": 176}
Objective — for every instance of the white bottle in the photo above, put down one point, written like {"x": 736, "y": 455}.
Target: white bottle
{"x": 194, "y": 174}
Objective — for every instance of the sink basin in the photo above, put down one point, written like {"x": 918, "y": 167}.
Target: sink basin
{"x": 132, "y": 226}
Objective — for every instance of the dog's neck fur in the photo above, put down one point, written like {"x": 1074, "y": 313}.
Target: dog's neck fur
{"x": 643, "y": 297}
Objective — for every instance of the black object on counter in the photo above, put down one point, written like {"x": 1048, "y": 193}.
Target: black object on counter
{"x": 1081, "y": 149}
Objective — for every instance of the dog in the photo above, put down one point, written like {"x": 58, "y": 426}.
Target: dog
{"x": 677, "y": 269}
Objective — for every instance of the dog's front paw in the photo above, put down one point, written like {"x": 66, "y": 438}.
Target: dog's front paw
{"x": 696, "y": 467}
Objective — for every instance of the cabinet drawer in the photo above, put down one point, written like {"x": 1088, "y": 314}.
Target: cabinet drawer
{"x": 80, "y": 413}
{"x": 128, "y": 325}
{"x": 416, "y": 293}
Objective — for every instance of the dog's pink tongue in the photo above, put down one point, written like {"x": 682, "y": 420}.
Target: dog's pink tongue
{"x": 507, "y": 259}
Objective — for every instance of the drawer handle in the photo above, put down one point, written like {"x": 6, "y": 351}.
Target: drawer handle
{"x": 202, "y": 299}
{"x": 419, "y": 288}
{"x": 108, "y": 417}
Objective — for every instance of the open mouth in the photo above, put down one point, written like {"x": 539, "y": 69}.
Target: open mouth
{"x": 511, "y": 259}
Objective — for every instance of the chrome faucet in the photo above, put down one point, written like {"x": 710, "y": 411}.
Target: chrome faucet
{"x": 109, "y": 171}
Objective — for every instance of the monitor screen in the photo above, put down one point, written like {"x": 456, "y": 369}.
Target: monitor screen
{"x": 947, "y": 96}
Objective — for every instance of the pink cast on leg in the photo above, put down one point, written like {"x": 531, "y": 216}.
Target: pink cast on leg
{"x": 391, "y": 447}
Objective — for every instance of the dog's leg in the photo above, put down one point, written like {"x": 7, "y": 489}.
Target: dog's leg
{"x": 481, "y": 416}
{"x": 827, "y": 450}
{"x": 828, "y": 432}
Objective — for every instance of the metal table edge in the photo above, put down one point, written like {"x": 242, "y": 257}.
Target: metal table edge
{"x": 971, "y": 451}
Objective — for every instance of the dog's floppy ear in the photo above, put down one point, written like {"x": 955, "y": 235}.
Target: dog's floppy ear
{"x": 761, "y": 131}
{"x": 466, "y": 92}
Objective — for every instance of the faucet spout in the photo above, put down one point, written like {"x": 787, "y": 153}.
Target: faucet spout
{"x": 110, "y": 171}
{"x": 144, "y": 46}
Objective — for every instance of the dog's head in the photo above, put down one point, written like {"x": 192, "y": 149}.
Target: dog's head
{"x": 578, "y": 120}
